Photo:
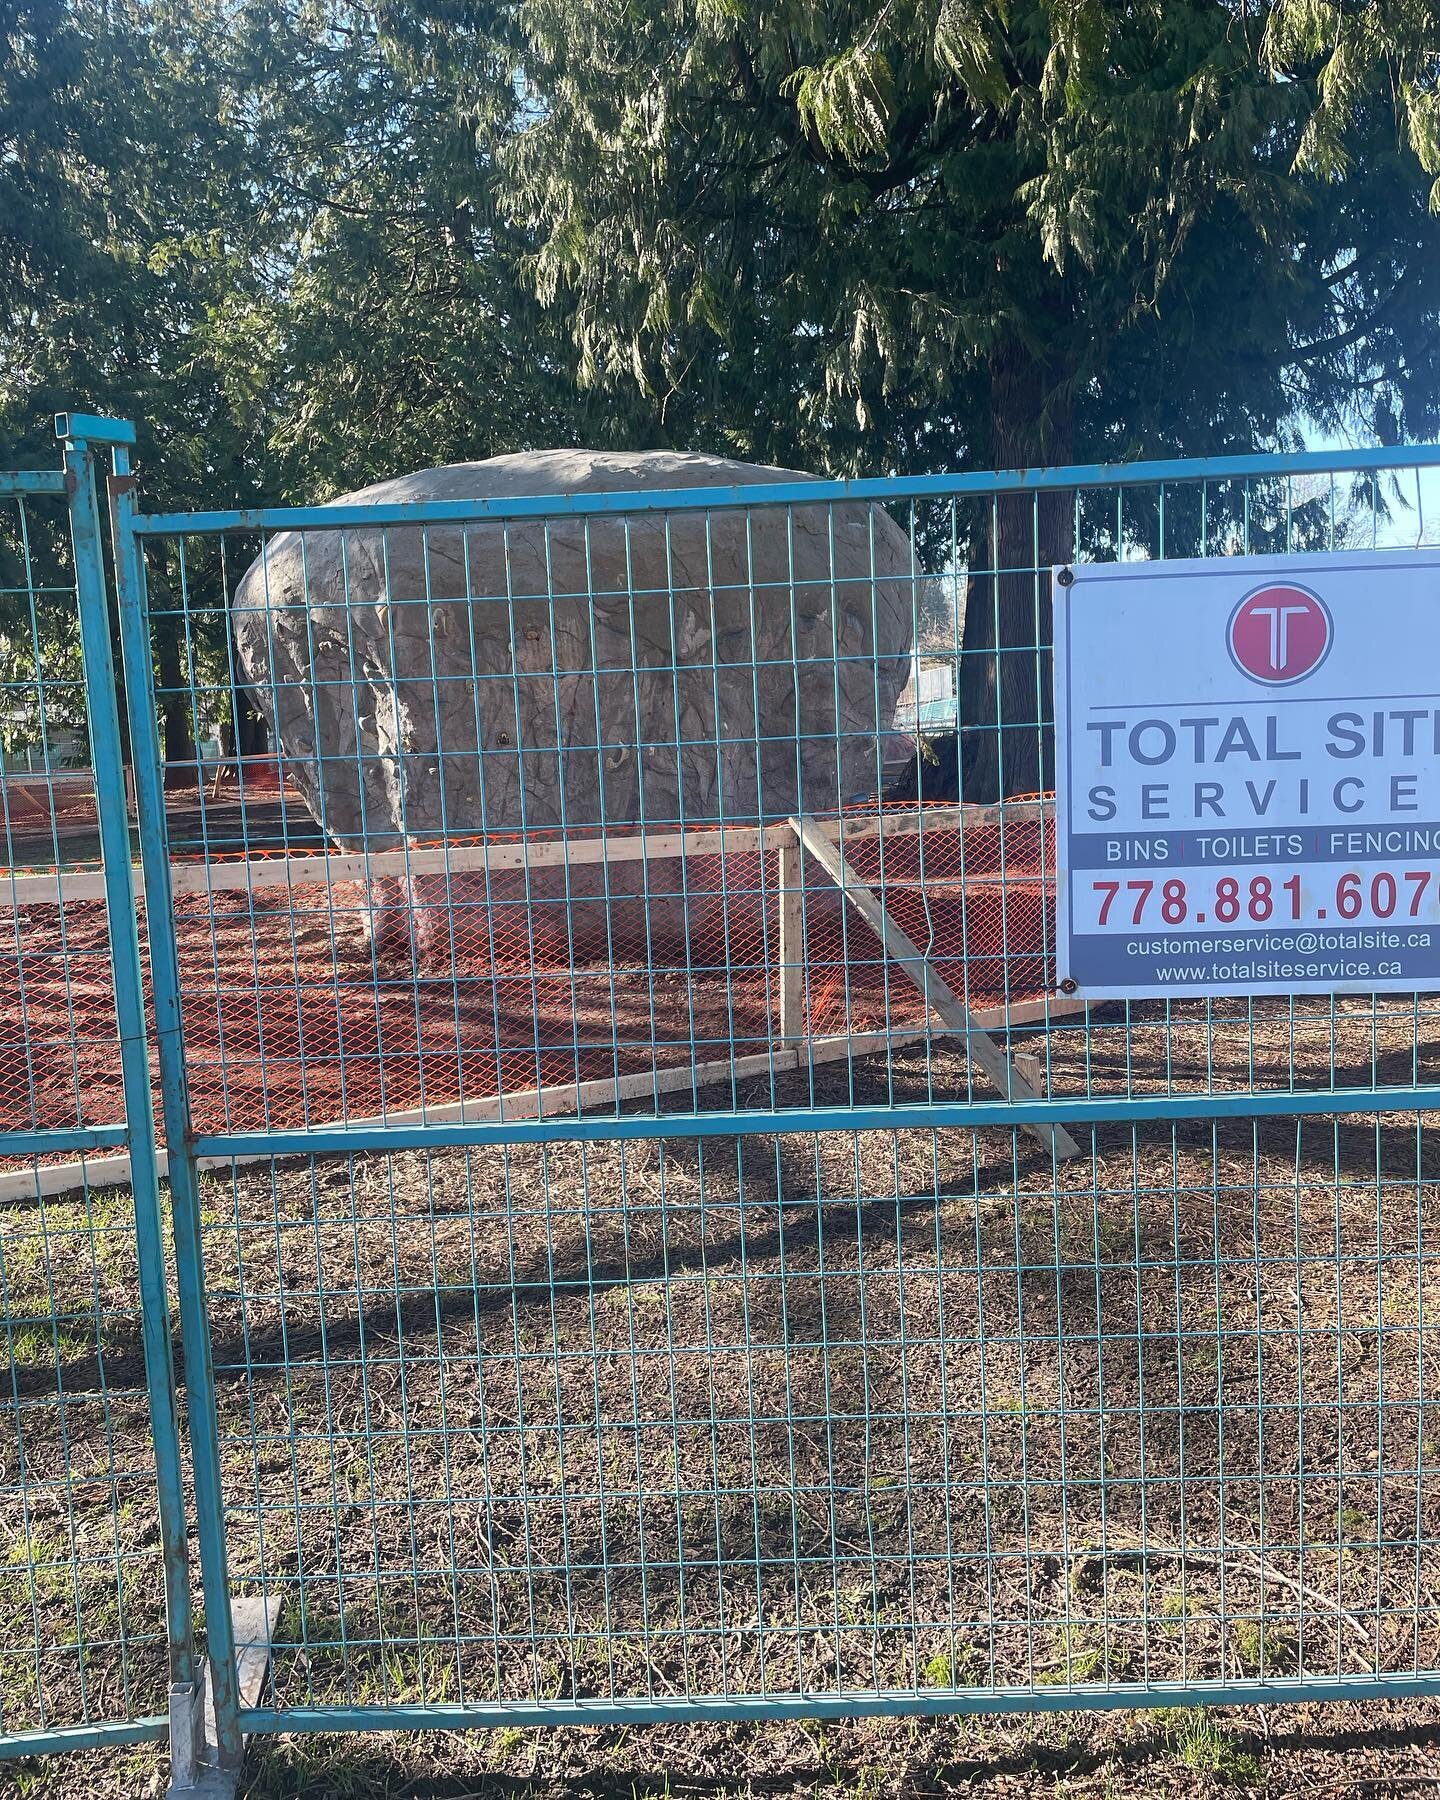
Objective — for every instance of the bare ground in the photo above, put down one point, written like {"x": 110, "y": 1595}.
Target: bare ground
{"x": 902, "y": 1411}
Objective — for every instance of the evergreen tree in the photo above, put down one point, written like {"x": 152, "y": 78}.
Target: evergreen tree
{"x": 941, "y": 232}
{"x": 307, "y": 245}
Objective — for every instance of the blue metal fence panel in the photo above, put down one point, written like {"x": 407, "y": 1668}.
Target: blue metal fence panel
{"x": 631, "y": 1287}
{"x": 97, "y": 1609}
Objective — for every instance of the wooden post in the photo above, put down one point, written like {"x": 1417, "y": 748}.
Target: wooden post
{"x": 792, "y": 942}
{"x": 1006, "y": 1079}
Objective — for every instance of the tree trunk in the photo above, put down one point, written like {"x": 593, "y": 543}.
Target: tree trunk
{"x": 250, "y": 733}
{"x": 179, "y": 740}
{"x": 1006, "y": 694}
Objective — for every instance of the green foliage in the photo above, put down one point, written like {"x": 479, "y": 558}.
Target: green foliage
{"x": 41, "y": 670}
{"x": 1355, "y": 53}
{"x": 316, "y": 244}
{"x": 1261, "y": 1649}
{"x": 267, "y": 234}
{"x": 312, "y": 244}
{"x": 956, "y": 229}
{"x": 307, "y": 245}
{"x": 938, "y": 1672}
{"x": 847, "y": 102}
{"x": 985, "y": 232}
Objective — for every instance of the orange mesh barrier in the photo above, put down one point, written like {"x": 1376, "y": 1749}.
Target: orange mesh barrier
{"x": 34, "y": 803}
{"x": 319, "y": 1003}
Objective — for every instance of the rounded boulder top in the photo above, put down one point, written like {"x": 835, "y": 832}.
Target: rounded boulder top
{"x": 523, "y": 474}
{"x": 652, "y": 666}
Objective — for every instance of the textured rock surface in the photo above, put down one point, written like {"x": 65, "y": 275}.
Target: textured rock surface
{"x": 562, "y": 673}
{"x": 420, "y": 682}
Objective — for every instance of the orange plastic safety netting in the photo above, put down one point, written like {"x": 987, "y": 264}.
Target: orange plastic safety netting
{"x": 318, "y": 1002}
{"x": 41, "y": 811}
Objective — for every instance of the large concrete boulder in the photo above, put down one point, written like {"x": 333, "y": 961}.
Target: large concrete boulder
{"x": 561, "y": 672}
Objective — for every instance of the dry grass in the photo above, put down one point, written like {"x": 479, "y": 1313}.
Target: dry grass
{"x": 908, "y": 1410}
{"x": 810, "y": 1412}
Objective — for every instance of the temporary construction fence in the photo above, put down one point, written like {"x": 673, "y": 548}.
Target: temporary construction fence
{"x": 690, "y": 1264}
{"x": 96, "y": 1610}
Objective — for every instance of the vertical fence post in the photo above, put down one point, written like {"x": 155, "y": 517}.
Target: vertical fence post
{"x": 106, "y": 755}
{"x": 174, "y": 1093}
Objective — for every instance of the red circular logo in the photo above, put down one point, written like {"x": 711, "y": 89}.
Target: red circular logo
{"x": 1279, "y": 634}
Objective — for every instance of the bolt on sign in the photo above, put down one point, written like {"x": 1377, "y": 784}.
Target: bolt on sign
{"x": 1248, "y": 775}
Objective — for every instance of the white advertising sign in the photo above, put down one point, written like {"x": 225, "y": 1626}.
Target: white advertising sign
{"x": 1248, "y": 775}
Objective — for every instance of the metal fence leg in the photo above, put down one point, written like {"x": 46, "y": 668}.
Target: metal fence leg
{"x": 225, "y": 1748}
{"x": 187, "y": 1734}
{"x": 195, "y": 1770}
{"x": 105, "y": 741}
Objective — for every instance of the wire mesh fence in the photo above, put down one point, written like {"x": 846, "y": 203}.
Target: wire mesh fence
{"x": 84, "y": 1645}
{"x": 570, "y": 1427}
{"x": 576, "y": 1354}
{"x": 651, "y": 1239}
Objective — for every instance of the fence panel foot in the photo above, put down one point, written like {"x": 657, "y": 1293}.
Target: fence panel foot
{"x": 195, "y": 1766}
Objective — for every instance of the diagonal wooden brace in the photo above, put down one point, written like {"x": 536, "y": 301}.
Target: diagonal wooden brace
{"x": 942, "y": 1000}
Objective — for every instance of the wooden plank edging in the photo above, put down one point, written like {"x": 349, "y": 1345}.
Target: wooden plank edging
{"x": 554, "y": 1100}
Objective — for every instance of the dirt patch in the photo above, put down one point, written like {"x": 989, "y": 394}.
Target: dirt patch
{"x": 830, "y": 1411}
{"x": 895, "y": 1411}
